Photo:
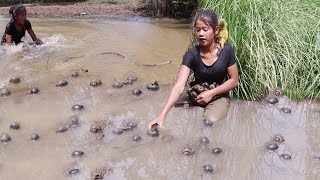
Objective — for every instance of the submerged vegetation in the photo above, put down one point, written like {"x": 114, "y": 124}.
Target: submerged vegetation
{"x": 277, "y": 44}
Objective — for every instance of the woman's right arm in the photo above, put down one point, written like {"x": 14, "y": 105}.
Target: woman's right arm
{"x": 176, "y": 92}
{"x": 8, "y": 39}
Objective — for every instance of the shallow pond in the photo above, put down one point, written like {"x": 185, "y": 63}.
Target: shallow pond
{"x": 111, "y": 50}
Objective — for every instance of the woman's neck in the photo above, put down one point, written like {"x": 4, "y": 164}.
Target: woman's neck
{"x": 210, "y": 48}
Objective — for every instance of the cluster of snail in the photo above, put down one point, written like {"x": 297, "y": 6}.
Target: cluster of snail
{"x": 274, "y": 143}
{"x": 197, "y": 89}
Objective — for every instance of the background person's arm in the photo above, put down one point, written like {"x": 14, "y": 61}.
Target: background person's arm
{"x": 34, "y": 37}
{"x": 8, "y": 39}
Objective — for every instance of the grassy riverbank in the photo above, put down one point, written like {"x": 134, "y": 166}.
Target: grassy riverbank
{"x": 277, "y": 44}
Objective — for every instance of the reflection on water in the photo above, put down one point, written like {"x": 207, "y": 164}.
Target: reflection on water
{"x": 78, "y": 45}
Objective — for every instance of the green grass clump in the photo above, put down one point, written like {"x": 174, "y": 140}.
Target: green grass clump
{"x": 277, "y": 44}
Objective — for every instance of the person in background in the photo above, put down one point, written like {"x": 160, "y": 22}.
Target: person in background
{"x": 17, "y": 27}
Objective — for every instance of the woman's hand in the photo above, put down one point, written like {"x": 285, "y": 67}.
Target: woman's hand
{"x": 159, "y": 120}
{"x": 205, "y": 97}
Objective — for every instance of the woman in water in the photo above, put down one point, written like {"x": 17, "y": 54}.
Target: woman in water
{"x": 212, "y": 65}
{"x": 17, "y": 26}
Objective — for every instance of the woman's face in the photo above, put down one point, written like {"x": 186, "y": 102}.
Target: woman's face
{"x": 205, "y": 33}
{"x": 21, "y": 17}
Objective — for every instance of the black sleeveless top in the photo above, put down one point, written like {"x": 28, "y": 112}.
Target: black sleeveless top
{"x": 16, "y": 35}
{"x": 217, "y": 72}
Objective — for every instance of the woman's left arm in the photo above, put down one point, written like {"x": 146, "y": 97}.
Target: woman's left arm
{"x": 34, "y": 37}
{"x": 227, "y": 86}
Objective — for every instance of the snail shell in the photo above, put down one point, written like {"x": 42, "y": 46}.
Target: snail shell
{"x": 278, "y": 138}
{"x": 136, "y": 138}
{"x": 62, "y": 83}
{"x": 34, "y": 90}
{"x": 5, "y": 92}
{"x": 75, "y": 74}
{"x": 153, "y": 132}
{"x": 35, "y": 137}
{"x": 14, "y": 80}
{"x": 77, "y": 107}
{"x": 95, "y": 129}
{"x": 117, "y": 131}
{"x": 5, "y": 138}
{"x": 204, "y": 140}
{"x": 216, "y": 150}
{"x": 136, "y": 92}
{"x": 207, "y": 168}
{"x": 208, "y": 122}
{"x": 154, "y": 86}
{"x": 285, "y": 156}
{"x": 132, "y": 78}
{"x": 74, "y": 171}
{"x": 188, "y": 151}
{"x": 15, "y": 125}
{"x": 61, "y": 129}
{"x": 278, "y": 92}
{"x": 272, "y": 146}
{"x": 117, "y": 84}
{"x": 272, "y": 100}
{"x": 95, "y": 82}
{"x": 286, "y": 110}
{"x": 77, "y": 153}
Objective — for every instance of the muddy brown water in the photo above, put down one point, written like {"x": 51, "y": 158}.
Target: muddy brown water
{"x": 75, "y": 44}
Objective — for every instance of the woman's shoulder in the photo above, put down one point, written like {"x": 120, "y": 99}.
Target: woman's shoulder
{"x": 193, "y": 49}
{"x": 227, "y": 47}
{"x": 27, "y": 23}
{"x": 10, "y": 26}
